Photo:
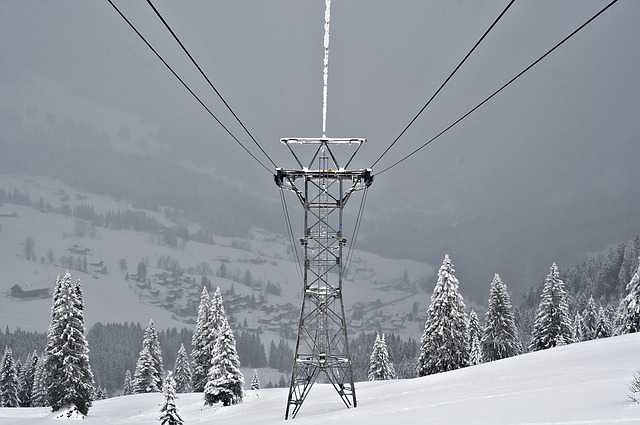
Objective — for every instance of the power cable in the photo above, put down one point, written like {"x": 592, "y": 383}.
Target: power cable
{"x": 356, "y": 231}
{"x": 187, "y": 87}
{"x": 501, "y": 88}
{"x": 445, "y": 82}
{"x": 294, "y": 246}
{"x": 209, "y": 81}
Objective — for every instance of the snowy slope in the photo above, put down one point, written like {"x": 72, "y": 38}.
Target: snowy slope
{"x": 583, "y": 383}
{"x": 109, "y": 298}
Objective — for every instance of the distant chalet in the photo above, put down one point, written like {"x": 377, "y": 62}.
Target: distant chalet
{"x": 18, "y": 292}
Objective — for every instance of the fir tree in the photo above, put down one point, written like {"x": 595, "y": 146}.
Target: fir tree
{"x": 475, "y": 352}
{"x": 39, "y": 395}
{"x": 225, "y": 381}
{"x": 444, "y": 344}
{"x": 151, "y": 342}
{"x": 603, "y": 326}
{"x": 127, "y": 387}
{"x": 26, "y": 381}
{"x": 475, "y": 335}
{"x": 500, "y": 338}
{"x": 169, "y": 414}
{"x": 552, "y": 326}
{"x": 145, "y": 378}
{"x": 380, "y": 367}
{"x": 68, "y": 374}
{"x": 629, "y": 309}
{"x": 201, "y": 345}
{"x": 8, "y": 380}
{"x": 578, "y": 331}
{"x": 255, "y": 381}
{"x": 182, "y": 372}
{"x": 589, "y": 320}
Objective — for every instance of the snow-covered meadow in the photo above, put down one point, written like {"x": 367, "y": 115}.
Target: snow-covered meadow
{"x": 584, "y": 383}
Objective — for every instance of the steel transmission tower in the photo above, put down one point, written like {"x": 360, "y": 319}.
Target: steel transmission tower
{"x": 323, "y": 187}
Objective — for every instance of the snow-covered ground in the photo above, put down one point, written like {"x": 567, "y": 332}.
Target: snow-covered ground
{"x": 583, "y": 383}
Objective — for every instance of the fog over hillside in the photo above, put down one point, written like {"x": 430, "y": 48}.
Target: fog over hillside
{"x": 546, "y": 171}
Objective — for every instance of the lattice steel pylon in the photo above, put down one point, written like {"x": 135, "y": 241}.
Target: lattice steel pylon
{"x": 322, "y": 347}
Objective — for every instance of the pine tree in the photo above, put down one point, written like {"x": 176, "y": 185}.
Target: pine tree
{"x": 225, "y": 381}
{"x": 552, "y": 326}
{"x": 127, "y": 387}
{"x": 151, "y": 342}
{"x": 26, "y": 380}
{"x": 68, "y": 373}
{"x": 8, "y": 380}
{"x": 475, "y": 335}
{"x": 475, "y": 352}
{"x": 182, "y": 372}
{"x": 201, "y": 345}
{"x": 145, "y": 378}
{"x": 444, "y": 344}
{"x": 578, "y": 331}
{"x": 380, "y": 367}
{"x": 603, "y": 326}
{"x": 500, "y": 338}
{"x": 39, "y": 395}
{"x": 255, "y": 381}
{"x": 169, "y": 414}
{"x": 589, "y": 320}
{"x": 629, "y": 309}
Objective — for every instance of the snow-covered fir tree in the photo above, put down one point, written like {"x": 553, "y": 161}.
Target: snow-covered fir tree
{"x": 500, "y": 338}
{"x": 127, "y": 386}
{"x": 217, "y": 316}
{"x": 552, "y": 326}
{"x": 182, "y": 372}
{"x": 145, "y": 377}
{"x": 380, "y": 366}
{"x": 589, "y": 320}
{"x": 26, "y": 380}
{"x": 39, "y": 394}
{"x": 68, "y": 373}
{"x": 603, "y": 325}
{"x": 225, "y": 382}
{"x": 475, "y": 335}
{"x": 444, "y": 344}
{"x": 8, "y": 380}
{"x": 578, "y": 332}
{"x": 629, "y": 310}
{"x": 255, "y": 381}
{"x": 169, "y": 414}
{"x": 201, "y": 345}
{"x": 475, "y": 351}
{"x": 151, "y": 341}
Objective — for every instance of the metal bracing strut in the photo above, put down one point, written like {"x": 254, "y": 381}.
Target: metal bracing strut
{"x": 322, "y": 348}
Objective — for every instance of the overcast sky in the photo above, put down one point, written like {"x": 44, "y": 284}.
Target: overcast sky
{"x": 565, "y": 133}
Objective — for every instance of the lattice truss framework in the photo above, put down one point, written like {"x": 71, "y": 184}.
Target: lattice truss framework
{"x": 322, "y": 349}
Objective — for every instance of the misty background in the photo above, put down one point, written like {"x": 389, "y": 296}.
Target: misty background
{"x": 546, "y": 171}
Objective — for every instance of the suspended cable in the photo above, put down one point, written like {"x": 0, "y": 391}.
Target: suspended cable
{"x": 445, "y": 82}
{"x": 356, "y": 231}
{"x": 209, "y": 81}
{"x": 501, "y": 88}
{"x": 186, "y": 86}
{"x": 294, "y": 246}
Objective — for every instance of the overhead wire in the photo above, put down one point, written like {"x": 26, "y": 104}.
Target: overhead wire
{"x": 187, "y": 87}
{"x": 166, "y": 24}
{"x": 501, "y": 88}
{"x": 354, "y": 236}
{"x": 444, "y": 83}
{"x": 294, "y": 246}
